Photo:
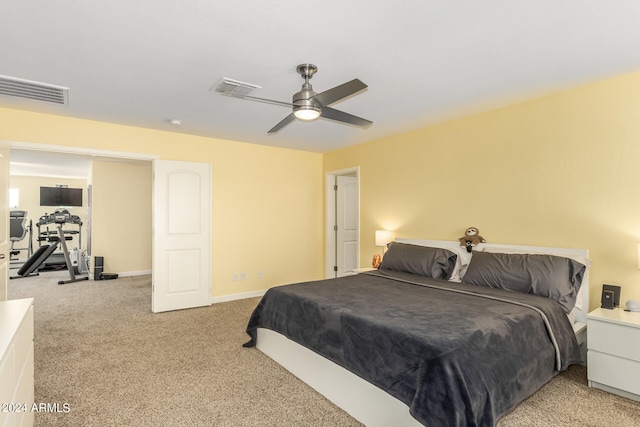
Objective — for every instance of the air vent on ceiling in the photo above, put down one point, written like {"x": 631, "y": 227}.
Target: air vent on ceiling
{"x": 19, "y": 88}
{"x": 234, "y": 87}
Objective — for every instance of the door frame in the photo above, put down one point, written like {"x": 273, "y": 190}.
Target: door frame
{"x": 5, "y": 243}
{"x": 330, "y": 216}
{"x": 65, "y": 149}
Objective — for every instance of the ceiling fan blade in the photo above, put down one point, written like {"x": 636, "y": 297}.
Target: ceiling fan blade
{"x": 341, "y": 116}
{"x": 282, "y": 123}
{"x": 337, "y": 93}
{"x": 255, "y": 98}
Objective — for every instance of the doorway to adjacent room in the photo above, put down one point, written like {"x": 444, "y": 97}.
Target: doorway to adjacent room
{"x": 342, "y": 225}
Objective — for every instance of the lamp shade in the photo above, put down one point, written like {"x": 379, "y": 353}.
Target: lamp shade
{"x": 383, "y": 237}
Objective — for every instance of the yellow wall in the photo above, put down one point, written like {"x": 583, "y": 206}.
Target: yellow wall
{"x": 266, "y": 201}
{"x": 121, "y": 215}
{"x": 29, "y": 187}
{"x": 557, "y": 171}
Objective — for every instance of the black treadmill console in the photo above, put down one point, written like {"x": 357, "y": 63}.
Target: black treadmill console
{"x": 60, "y": 216}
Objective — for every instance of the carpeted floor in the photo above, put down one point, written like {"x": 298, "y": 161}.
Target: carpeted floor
{"x": 100, "y": 350}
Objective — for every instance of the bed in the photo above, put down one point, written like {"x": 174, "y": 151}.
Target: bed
{"x": 436, "y": 336}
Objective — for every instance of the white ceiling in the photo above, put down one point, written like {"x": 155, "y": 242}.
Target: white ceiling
{"x": 41, "y": 163}
{"x": 145, "y": 62}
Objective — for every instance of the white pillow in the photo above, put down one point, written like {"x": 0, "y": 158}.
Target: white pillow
{"x": 464, "y": 258}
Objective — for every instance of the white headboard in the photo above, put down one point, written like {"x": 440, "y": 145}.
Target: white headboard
{"x": 582, "y": 307}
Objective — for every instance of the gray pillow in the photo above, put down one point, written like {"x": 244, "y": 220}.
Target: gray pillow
{"x": 554, "y": 277}
{"x": 421, "y": 260}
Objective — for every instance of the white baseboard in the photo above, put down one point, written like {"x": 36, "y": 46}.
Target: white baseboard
{"x": 134, "y": 273}
{"x": 233, "y": 297}
{"x": 214, "y": 300}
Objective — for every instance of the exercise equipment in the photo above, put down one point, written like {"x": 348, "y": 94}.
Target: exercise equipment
{"x": 18, "y": 230}
{"x": 47, "y": 235}
{"x": 41, "y": 255}
{"x": 30, "y": 267}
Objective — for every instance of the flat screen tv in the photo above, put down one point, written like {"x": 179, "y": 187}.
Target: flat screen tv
{"x": 60, "y": 196}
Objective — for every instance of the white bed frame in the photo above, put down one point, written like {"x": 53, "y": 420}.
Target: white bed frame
{"x": 362, "y": 400}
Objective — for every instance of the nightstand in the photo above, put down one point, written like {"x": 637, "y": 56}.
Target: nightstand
{"x": 613, "y": 355}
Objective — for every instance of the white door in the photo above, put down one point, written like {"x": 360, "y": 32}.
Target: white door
{"x": 5, "y": 245}
{"x": 346, "y": 224}
{"x": 181, "y": 235}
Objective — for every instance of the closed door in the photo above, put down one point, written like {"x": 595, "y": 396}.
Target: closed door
{"x": 181, "y": 235}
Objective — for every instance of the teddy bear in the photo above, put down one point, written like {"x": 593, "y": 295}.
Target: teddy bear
{"x": 377, "y": 260}
{"x": 471, "y": 238}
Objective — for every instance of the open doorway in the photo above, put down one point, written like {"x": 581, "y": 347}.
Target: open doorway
{"x": 342, "y": 225}
{"x": 124, "y": 216}
{"x": 176, "y": 193}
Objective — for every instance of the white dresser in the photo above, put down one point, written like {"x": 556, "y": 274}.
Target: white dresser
{"x": 613, "y": 356}
{"x": 16, "y": 363}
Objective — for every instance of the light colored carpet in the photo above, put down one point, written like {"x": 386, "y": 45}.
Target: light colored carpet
{"x": 99, "y": 349}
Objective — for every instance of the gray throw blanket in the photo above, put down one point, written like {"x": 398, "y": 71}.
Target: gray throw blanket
{"x": 455, "y": 354}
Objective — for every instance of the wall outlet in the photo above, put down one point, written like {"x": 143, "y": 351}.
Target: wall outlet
{"x": 234, "y": 277}
{"x": 243, "y": 275}
{"x": 260, "y": 274}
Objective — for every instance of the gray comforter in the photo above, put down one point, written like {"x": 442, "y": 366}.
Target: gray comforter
{"x": 456, "y": 354}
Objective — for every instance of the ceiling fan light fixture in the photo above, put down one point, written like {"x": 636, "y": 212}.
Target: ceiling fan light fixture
{"x": 307, "y": 113}
{"x": 307, "y": 104}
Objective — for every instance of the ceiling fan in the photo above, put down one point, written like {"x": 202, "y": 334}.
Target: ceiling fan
{"x": 308, "y": 105}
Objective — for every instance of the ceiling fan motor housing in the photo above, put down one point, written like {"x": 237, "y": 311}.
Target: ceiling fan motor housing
{"x": 304, "y": 106}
